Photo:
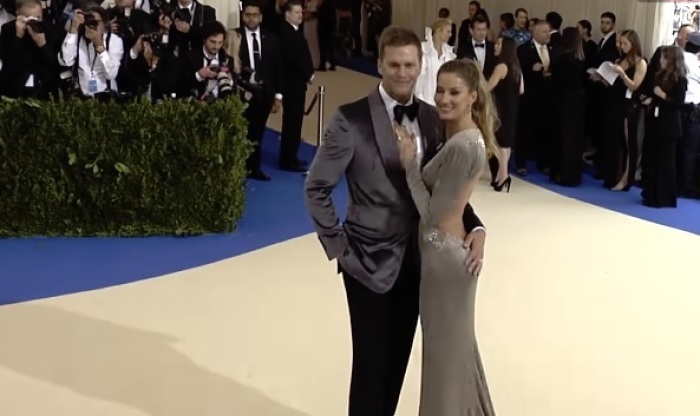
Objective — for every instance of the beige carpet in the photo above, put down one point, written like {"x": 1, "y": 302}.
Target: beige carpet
{"x": 581, "y": 312}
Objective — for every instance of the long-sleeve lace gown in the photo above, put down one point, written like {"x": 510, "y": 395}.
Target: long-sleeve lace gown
{"x": 453, "y": 381}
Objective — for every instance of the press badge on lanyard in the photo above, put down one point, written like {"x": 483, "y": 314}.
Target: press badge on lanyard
{"x": 92, "y": 83}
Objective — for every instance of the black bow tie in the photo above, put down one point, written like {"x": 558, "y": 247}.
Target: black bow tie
{"x": 479, "y": 45}
{"x": 401, "y": 111}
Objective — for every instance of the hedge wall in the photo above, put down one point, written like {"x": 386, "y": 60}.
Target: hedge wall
{"x": 83, "y": 168}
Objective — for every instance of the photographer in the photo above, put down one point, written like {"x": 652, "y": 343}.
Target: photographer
{"x": 154, "y": 70}
{"x": 93, "y": 52}
{"x": 128, "y": 22}
{"x": 206, "y": 66}
{"x": 185, "y": 19}
{"x": 28, "y": 54}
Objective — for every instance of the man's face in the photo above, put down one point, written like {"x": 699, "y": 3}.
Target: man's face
{"x": 214, "y": 43}
{"x": 472, "y": 10}
{"x": 479, "y": 32}
{"x": 400, "y": 68}
{"x": 295, "y": 16}
{"x": 682, "y": 38}
{"x": 541, "y": 33}
{"x": 252, "y": 17}
{"x": 606, "y": 25}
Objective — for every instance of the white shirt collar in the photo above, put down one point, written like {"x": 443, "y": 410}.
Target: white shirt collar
{"x": 388, "y": 100}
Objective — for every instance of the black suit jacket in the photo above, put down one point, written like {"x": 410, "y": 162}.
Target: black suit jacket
{"x": 555, "y": 39}
{"x": 193, "y": 39}
{"x": 609, "y": 51}
{"x": 166, "y": 79}
{"x": 382, "y": 219}
{"x": 467, "y": 50}
{"x": 464, "y": 35}
{"x": 22, "y": 58}
{"x": 535, "y": 81}
{"x": 271, "y": 69}
{"x": 193, "y": 62}
{"x": 298, "y": 67}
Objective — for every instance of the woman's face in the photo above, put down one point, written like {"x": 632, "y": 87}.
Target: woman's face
{"x": 625, "y": 45}
{"x": 498, "y": 47}
{"x": 452, "y": 97}
{"x": 444, "y": 33}
{"x": 521, "y": 20}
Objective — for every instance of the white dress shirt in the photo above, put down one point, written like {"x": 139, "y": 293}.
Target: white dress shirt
{"x": 209, "y": 60}
{"x": 480, "y": 53}
{"x": 692, "y": 67}
{"x": 101, "y": 67}
{"x": 249, "y": 38}
{"x": 411, "y": 126}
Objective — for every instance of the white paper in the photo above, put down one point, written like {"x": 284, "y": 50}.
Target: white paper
{"x": 606, "y": 71}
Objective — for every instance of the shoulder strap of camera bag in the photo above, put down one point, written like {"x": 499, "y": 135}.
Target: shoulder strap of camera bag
{"x": 77, "y": 58}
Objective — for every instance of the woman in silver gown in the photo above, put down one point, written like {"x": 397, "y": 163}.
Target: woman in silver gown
{"x": 453, "y": 381}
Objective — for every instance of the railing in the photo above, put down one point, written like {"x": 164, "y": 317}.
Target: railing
{"x": 319, "y": 101}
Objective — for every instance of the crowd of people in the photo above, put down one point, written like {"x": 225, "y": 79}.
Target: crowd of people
{"x": 564, "y": 99}
{"x": 122, "y": 50}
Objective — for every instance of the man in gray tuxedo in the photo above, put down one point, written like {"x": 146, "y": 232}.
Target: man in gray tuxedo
{"x": 377, "y": 245}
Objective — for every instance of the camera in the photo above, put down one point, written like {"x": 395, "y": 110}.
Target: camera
{"x": 247, "y": 81}
{"x": 38, "y": 26}
{"x": 183, "y": 15}
{"x": 158, "y": 42}
{"x": 224, "y": 82}
{"x": 90, "y": 21}
{"x": 121, "y": 16}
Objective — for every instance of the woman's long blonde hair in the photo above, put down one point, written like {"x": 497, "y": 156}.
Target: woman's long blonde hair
{"x": 483, "y": 109}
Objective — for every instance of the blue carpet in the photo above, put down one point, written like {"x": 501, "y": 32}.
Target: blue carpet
{"x": 36, "y": 268}
{"x": 686, "y": 217}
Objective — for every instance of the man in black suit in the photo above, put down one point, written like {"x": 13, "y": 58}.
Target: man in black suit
{"x": 186, "y": 35}
{"x": 477, "y": 47}
{"x": 607, "y": 48}
{"x": 260, "y": 52}
{"x": 555, "y": 21}
{"x": 534, "y": 122}
{"x": 298, "y": 70}
{"x": 465, "y": 27}
{"x": 28, "y": 53}
{"x": 202, "y": 65}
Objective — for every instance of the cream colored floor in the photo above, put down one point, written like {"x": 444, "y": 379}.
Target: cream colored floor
{"x": 581, "y": 312}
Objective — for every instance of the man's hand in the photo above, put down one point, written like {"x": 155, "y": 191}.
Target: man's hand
{"x": 38, "y": 38}
{"x": 475, "y": 242}
{"x": 181, "y": 26}
{"x": 21, "y": 26}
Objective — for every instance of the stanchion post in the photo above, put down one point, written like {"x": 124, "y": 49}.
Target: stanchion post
{"x": 320, "y": 103}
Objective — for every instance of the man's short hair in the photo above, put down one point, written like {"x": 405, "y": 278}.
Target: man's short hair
{"x": 396, "y": 36}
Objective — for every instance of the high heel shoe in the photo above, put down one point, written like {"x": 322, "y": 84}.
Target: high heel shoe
{"x": 505, "y": 184}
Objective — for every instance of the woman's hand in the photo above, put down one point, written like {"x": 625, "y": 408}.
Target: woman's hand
{"x": 407, "y": 145}
{"x": 618, "y": 69}
{"x": 659, "y": 92}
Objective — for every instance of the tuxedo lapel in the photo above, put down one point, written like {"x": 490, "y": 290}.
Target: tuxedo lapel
{"x": 383, "y": 131}
{"x": 386, "y": 143}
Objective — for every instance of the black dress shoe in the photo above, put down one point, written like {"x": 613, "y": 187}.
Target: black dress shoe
{"x": 259, "y": 175}
{"x": 293, "y": 167}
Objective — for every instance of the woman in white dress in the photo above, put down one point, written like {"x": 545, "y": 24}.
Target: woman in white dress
{"x": 436, "y": 52}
